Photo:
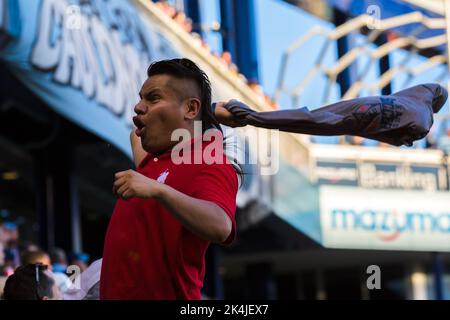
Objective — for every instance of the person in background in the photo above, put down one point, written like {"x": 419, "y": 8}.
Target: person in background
{"x": 430, "y": 142}
{"x": 31, "y": 282}
{"x": 2, "y": 262}
{"x": 256, "y": 87}
{"x": 6, "y": 267}
{"x": 33, "y": 257}
{"x": 59, "y": 260}
{"x": 228, "y": 60}
{"x": 9, "y": 264}
{"x": 12, "y": 245}
{"x": 271, "y": 102}
{"x": 81, "y": 260}
{"x": 26, "y": 246}
{"x": 62, "y": 281}
{"x": 443, "y": 141}
{"x": 59, "y": 269}
{"x": 4, "y": 236}
{"x": 167, "y": 8}
{"x": 354, "y": 140}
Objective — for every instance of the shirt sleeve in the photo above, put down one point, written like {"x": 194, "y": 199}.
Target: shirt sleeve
{"x": 218, "y": 183}
{"x": 397, "y": 119}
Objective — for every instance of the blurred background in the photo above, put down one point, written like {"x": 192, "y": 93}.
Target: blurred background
{"x": 70, "y": 72}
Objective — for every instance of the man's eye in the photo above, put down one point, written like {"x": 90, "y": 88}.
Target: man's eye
{"x": 154, "y": 97}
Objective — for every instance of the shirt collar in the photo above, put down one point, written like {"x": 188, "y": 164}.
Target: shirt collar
{"x": 193, "y": 143}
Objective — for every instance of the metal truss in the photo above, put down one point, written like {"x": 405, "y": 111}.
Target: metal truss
{"x": 412, "y": 42}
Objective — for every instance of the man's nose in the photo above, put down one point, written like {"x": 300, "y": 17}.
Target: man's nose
{"x": 140, "y": 108}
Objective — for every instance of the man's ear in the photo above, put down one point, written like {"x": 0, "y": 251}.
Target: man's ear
{"x": 193, "y": 106}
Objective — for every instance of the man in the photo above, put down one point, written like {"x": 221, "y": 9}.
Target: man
{"x": 62, "y": 281}
{"x": 12, "y": 247}
{"x": 2, "y": 261}
{"x": 31, "y": 282}
{"x": 397, "y": 119}
{"x": 59, "y": 260}
{"x": 33, "y": 257}
{"x": 168, "y": 213}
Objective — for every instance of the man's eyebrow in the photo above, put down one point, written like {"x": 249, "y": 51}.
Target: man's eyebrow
{"x": 149, "y": 92}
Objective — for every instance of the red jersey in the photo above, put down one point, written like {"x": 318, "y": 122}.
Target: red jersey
{"x": 148, "y": 253}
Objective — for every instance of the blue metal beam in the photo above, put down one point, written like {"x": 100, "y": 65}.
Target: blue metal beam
{"x": 192, "y": 10}
{"x": 438, "y": 270}
{"x": 344, "y": 79}
{"x": 246, "y": 46}
{"x": 239, "y": 35}
{"x": 228, "y": 27}
{"x": 384, "y": 64}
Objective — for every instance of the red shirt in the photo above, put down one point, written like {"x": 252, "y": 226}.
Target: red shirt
{"x": 148, "y": 254}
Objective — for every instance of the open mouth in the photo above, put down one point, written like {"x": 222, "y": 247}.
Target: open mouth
{"x": 139, "y": 126}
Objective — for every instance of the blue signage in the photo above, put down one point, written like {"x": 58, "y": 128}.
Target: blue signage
{"x": 86, "y": 59}
{"x": 388, "y": 221}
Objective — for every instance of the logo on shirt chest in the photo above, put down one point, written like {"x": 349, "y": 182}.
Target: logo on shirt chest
{"x": 163, "y": 176}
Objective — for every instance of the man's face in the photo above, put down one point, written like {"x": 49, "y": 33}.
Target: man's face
{"x": 56, "y": 293}
{"x": 45, "y": 260}
{"x": 160, "y": 111}
{"x": 4, "y": 235}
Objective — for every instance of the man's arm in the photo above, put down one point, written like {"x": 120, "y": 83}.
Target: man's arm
{"x": 138, "y": 152}
{"x": 224, "y": 116}
{"x": 203, "y": 218}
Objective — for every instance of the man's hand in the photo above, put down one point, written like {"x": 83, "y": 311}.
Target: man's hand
{"x": 225, "y": 117}
{"x": 129, "y": 184}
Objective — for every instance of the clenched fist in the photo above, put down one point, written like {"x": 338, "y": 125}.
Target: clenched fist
{"x": 129, "y": 184}
{"x": 225, "y": 117}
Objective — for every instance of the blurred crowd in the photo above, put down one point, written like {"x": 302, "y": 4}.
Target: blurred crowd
{"x": 224, "y": 58}
{"x": 439, "y": 137}
{"x": 27, "y": 272}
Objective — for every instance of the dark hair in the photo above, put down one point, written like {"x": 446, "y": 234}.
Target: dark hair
{"x": 57, "y": 255}
{"x": 23, "y": 285}
{"x": 187, "y": 69}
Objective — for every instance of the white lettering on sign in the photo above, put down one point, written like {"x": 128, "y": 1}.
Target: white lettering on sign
{"x": 402, "y": 177}
{"x": 358, "y": 218}
{"x": 88, "y": 55}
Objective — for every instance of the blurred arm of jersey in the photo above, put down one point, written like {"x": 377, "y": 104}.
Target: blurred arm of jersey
{"x": 397, "y": 119}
